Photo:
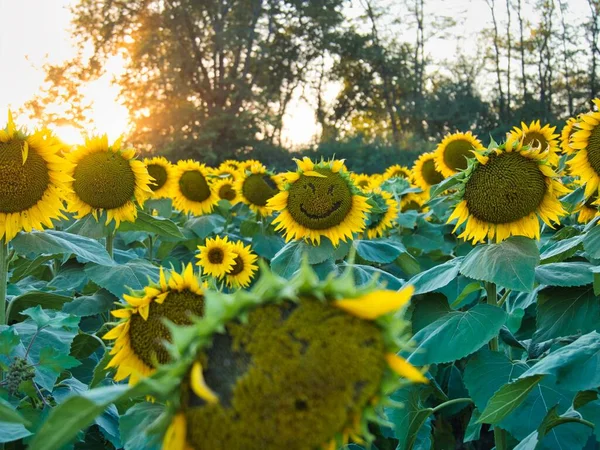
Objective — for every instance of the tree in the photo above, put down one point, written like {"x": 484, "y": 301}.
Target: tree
{"x": 203, "y": 78}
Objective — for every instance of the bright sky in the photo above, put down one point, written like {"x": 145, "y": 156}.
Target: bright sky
{"x": 36, "y": 31}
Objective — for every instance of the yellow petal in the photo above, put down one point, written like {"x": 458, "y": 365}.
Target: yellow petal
{"x": 25, "y": 152}
{"x": 123, "y": 313}
{"x": 313, "y": 173}
{"x": 405, "y": 369}
{"x": 175, "y": 436}
{"x": 199, "y": 385}
{"x": 376, "y": 304}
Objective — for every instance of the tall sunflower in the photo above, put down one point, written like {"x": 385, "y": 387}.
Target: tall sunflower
{"x": 33, "y": 180}
{"x": 505, "y": 191}
{"x": 361, "y": 181}
{"x": 425, "y": 173}
{"x": 139, "y": 336}
{"x": 162, "y": 173}
{"x": 192, "y": 192}
{"x": 585, "y": 142}
{"x": 383, "y": 213}
{"x": 286, "y": 376}
{"x": 107, "y": 178}
{"x": 451, "y": 154}
{"x": 216, "y": 257}
{"x": 413, "y": 201}
{"x": 320, "y": 200}
{"x": 565, "y": 135}
{"x": 535, "y": 135}
{"x": 397, "y": 171}
{"x": 255, "y": 187}
{"x": 243, "y": 269}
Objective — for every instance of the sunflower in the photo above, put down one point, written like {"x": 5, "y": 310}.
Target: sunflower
{"x": 397, "y": 171}
{"x": 535, "y": 135}
{"x": 414, "y": 201}
{"x": 216, "y": 256}
{"x": 192, "y": 193}
{"x": 361, "y": 181}
{"x": 255, "y": 187}
{"x": 424, "y": 172}
{"x": 225, "y": 171}
{"x": 230, "y": 163}
{"x": 451, "y": 154}
{"x": 225, "y": 190}
{"x": 588, "y": 209}
{"x": 139, "y": 336}
{"x": 32, "y": 180}
{"x": 565, "y": 135}
{"x": 161, "y": 171}
{"x": 585, "y": 142}
{"x": 384, "y": 209}
{"x": 107, "y": 179}
{"x": 505, "y": 191}
{"x": 296, "y": 364}
{"x": 320, "y": 200}
{"x": 241, "y": 273}
{"x": 246, "y": 165}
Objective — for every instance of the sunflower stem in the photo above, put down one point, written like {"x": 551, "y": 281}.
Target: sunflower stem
{"x": 492, "y": 299}
{"x": 110, "y": 239}
{"x": 150, "y": 246}
{"x": 3, "y": 279}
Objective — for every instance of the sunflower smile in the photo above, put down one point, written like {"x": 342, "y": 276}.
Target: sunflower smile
{"x": 337, "y": 205}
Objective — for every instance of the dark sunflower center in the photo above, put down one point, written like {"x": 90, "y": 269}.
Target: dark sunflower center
{"x": 21, "y": 185}
{"x": 215, "y": 255}
{"x": 507, "y": 188}
{"x": 257, "y": 189}
{"x": 146, "y": 336}
{"x": 363, "y": 183}
{"x": 159, "y": 173}
{"x": 593, "y": 149}
{"x": 238, "y": 266}
{"x": 104, "y": 180}
{"x": 411, "y": 206}
{"x": 430, "y": 174}
{"x": 535, "y": 139}
{"x": 456, "y": 154}
{"x": 193, "y": 186}
{"x": 291, "y": 377}
{"x": 320, "y": 203}
{"x": 226, "y": 192}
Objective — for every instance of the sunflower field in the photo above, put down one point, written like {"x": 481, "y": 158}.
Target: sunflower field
{"x": 151, "y": 305}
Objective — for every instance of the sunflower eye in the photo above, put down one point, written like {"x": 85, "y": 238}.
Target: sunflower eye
{"x": 312, "y": 187}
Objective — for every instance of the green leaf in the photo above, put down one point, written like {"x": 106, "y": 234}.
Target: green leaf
{"x": 267, "y": 245}
{"x": 55, "y": 361}
{"x": 561, "y": 250}
{"x": 409, "y": 419}
{"x": 74, "y": 414}
{"x": 89, "y": 305}
{"x": 473, "y": 431}
{"x": 510, "y": 264}
{"x": 507, "y": 399}
{"x": 591, "y": 412}
{"x": 437, "y": 277}
{"x": 12, "y": 431}
{"x": 565, "y": 274}
{"x": 100, "y": 371}
{"x": 575, "y": 366}
{"x": 117, "y": 278}
{"x": 591, "y": 242}
{"x": 154, "y": 225}
{"x": 446, "y": 184}
{"x": 428, "y": 237}
{"x": 89, "y": 227}
{"x": 28, "y": 267}
{"x": 382, "y": 251}
{"x": 136, "y": 422}
{"x": 164, "y": 206}
{"x": 457, "y": 334}
{"x": 8, "y": 341}
{"x": 287, "y": 261}
{"x": 204, "y": 226}
{"x": 59, "y": 242}
{"x": 35, "y": 298}
{"x": 364, "y": 274}
{"x": 85, "y": 345}
{"x": 565, "y": 312}
{"x": 56, "y": 319}
{"x": 427, "y": 309}
{"x": 9, "y": 415}
{"x": 468, "y": 290}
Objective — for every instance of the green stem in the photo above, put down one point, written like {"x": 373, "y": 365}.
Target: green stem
{"x": 492, "y": 299}
{"x": 3, "y": 279}
{"x": 110, "y": 239}
{"x": 504, "y": 297}
{"x": 150, "y": 248}
{"x": 450, "y": 403}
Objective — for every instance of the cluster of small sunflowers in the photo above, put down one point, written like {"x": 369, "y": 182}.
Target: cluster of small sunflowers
{"x": 230, "y": 261}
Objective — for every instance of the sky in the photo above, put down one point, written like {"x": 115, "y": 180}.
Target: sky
{"x": 28, "y": 40}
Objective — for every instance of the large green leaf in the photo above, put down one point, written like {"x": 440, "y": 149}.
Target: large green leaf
{"x": 34, "y": 298}
{"x": 204, "y": 226}
{"x": 591, "y": 412}
{"x": 84, "y": 345}
{"x": 117, "y": 278}
{"x": 457, "y": 334}
{"x": 574, "y": 366}
{"x": 9, "y": 415}
{"x": 10, "y": 431}
{"x": 287, "y": 260}
{"x": 364, "y": 274}
{"x": 591, "y": 242}
{"x": 89, "y": 227}
{"x": 510, "y": 264}
{"x": 411, "y": 418}
{"x": 437, "y": 277}
{"x": 89, "y": 305}
{"x": 381, "y": 251}
{"x": 59, "y": 242}
{"x": 566, "y": 311}
{"x": 565, "y": 274}
{"x": 426, "y": 309}
{"x": 267, "y": 245}
{"x": 508, "y": 398}
{"x": 134, "y": 425}
{"x": 154, "y": 225}
{"x": 555, "y": 251}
